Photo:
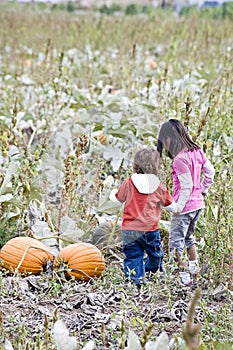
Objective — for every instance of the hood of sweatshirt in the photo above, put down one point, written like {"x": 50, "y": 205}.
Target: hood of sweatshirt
{"x": 145, "y": 183}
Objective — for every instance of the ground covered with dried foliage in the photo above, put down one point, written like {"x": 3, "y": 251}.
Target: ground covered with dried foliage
{"x": 105, "y": 309}
{"x": 79, "y": 94}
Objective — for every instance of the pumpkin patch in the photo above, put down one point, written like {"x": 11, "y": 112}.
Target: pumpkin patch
{"x": 25, "y": 254}
{"x": 84, "y": 261}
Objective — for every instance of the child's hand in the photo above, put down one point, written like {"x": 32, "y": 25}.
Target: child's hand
{"x": 172, "y": 208}
{"x": 177, "y": 212}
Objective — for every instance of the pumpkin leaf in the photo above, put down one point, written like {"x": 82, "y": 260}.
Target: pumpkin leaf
{"x": 114, "y": 107}
{"x": 161, "y": 343}
{"x": 229, "y": 142}
{"x": 53, "y": 170}
{"x": 26, "y": 80}
{"x": 133, "y": 342}
{"x": 70, "y": 233}
{"x": 122, "y": 133}
{"x": 42, "y": 231}
{"x": 107, "y": 206}
{"x": 36, "y": 210}
{"x": 7, "y": 345}
{"x": 61, "y": 139}
{"x": 68, "y": 225}
{"x": 10, "y": 213}
{"x": 62, "y": 338}
{"x": 6, "y": 197}
{"x": 177, "y": 341}
{"x": 89, "y": 345}
{"x": 6, "y": 186}
{"x": 115, "y": 155}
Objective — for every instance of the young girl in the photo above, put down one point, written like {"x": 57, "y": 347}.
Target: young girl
{"x": 189, "y": 189}
{"x": 143, "y": 195}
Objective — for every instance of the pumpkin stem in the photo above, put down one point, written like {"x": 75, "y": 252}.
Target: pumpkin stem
{"x": 65, "y": 268}
{"x": 80, "y": 271}
{"x": 54, "y": 236}
{"x": 24, "y": 254}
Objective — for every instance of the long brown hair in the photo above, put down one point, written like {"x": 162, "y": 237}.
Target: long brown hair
{"x": 174, "y": 132}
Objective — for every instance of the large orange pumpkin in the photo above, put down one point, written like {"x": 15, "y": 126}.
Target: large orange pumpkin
{"x": 83, "y": 259}
{"x": 25, "y": 254}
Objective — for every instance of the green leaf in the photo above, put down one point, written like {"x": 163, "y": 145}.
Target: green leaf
{"x": 6, "y": 197}
{"x": 133, "y": 342}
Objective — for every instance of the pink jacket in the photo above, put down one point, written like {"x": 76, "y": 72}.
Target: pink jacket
{"x": 189, "y": 185}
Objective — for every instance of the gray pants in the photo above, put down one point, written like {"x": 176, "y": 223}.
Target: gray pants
{"x": 182, "y": 229}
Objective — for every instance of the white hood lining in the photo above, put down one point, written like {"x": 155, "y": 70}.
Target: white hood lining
{"x": 145, "y": 183}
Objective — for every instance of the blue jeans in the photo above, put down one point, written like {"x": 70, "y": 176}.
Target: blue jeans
{"x": 135, "y": 243}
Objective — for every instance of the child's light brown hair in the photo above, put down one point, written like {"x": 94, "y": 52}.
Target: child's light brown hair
{"x": 146, "y": 161}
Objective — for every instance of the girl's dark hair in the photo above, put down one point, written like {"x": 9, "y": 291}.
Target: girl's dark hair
{"x": 174, "y": 137}
{"x": 146, "y": 161}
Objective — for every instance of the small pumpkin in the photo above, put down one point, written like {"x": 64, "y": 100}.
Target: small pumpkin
{"x": 25, "y": 254}
{"x": 84, "y": 260}
{"x": 107, "y": 233}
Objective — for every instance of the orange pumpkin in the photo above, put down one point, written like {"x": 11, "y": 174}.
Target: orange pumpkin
{"x": 25, "y": 254}
{"x": 83, "y": 259}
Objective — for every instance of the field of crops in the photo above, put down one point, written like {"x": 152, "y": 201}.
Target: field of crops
{"x": 79, "y": 93}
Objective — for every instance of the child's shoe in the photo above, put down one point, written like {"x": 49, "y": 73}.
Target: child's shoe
{"x": 162, "y": 273}
{"x": 193, "y": 267}
{"x": 185, "y": 279}
{"x": 188, "y": 284}
{"x": 194, "y": 271}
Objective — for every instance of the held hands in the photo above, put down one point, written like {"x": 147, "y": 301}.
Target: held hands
{"x": 173, "y": 208}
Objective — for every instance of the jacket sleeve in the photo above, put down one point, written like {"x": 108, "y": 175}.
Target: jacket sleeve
{"x": 208, "y": 179}
{"x": 181, "y": 166}
{"x": 165, "y": 197}
{"x": 113, "y": 197}
{"x": 167, "y": 200}
{"x": 186, "y": 185}
{"x": 119, "y": 195}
